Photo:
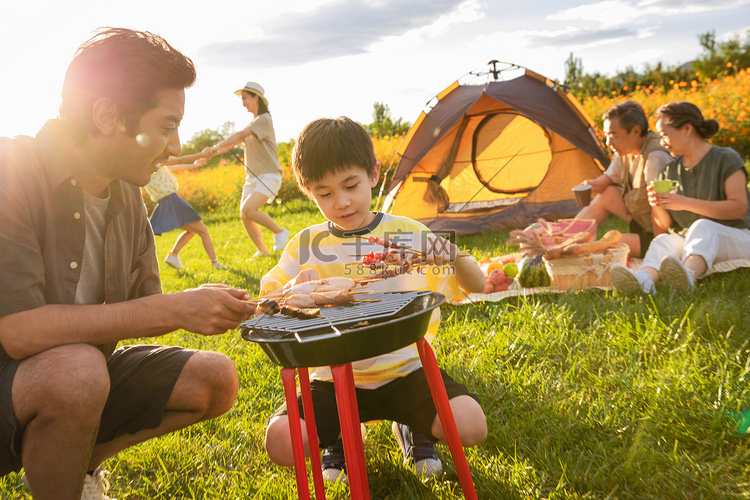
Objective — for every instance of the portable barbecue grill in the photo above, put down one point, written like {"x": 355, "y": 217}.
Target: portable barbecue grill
{"x": 384, "y": 323}
{"x": 343, "y": 334}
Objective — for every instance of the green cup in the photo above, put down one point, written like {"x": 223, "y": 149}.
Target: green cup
{"x": 664, "y": 186}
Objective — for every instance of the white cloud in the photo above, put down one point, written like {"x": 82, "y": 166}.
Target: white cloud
{"x": 465, "y": 13}
{"x": 605, "y": 14}
{"x": 611, "y": 13}
{"x": 333, "y": 30}
{"x": 668, "y": 7}
{"x": 568, "y": 38}
{"x": 740, "y": 33}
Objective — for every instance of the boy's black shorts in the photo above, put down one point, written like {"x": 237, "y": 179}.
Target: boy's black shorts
{"x": 141, "y": 380}
{"x": 406, "y": 400}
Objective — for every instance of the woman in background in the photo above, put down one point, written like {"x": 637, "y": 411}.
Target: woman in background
{"x": 706, "y": 220}
{"x": 262, "y": 168}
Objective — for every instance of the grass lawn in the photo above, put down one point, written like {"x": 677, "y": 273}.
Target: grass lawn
{"x": 587, "y": 395}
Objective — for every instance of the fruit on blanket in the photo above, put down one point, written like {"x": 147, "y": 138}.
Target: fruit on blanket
{"x": 489, "y": 287}
{"x": 504, "y": 285}
{"x": 497, "y": 277}
{"x": 532, "y": 272}
{"x": 493, "y": 266}
{"x": 510, "y": 269}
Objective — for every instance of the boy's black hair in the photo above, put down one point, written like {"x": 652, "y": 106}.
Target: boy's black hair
{"x": 330, "y": 145}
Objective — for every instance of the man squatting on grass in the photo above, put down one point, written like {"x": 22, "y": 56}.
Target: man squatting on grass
{"x": 335, "y": 165}
{"x": 79, "y": 273}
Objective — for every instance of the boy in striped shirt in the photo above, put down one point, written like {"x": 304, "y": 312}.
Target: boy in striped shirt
{"x": 335, "y": 165}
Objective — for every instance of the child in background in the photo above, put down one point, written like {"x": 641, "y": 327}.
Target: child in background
{"x": 172, "y": 211}
{"x": 335, "y": 165}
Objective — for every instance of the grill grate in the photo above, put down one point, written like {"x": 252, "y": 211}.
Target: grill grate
{"x": 389, "y": 304}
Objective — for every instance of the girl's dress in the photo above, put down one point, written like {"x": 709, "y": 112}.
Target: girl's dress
{"x": 171, "y": 211}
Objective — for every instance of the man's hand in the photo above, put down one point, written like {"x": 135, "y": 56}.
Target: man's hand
{"x": 599, "y": 184}
{"x": 214, "y": 308}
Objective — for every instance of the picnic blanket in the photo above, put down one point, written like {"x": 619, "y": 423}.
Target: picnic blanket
{"x": 517, "y": 290}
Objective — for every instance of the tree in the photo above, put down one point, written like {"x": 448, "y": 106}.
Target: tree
{"x": 718, "y": 59}
{"x": 383, "y": 124}
{"x": 573, "y": 73}
{"x": 722, "y": 58}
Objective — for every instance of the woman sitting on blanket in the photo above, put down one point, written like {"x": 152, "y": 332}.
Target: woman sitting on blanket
{"x": 705, "y": 219}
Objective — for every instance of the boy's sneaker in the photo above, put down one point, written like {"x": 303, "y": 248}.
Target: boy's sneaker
{"x": 173, "y": 261}
{"x": 419, "y": 452}
{"x": 279, "y": 240}
{"x": 334, "y": 464}
{"x": 96, "y": 485}
{"x": 627, "y": 282}
{"x": 675, "y": 274}
{"x": 218, "y": 265}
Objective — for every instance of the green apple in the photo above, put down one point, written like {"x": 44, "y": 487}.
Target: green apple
{"x": 510, "y": 269}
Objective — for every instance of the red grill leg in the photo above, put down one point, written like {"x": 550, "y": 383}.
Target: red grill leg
{"x": 295, "y": 430}
{"x": 440, "y": 397}
{"x": 312, "y": 433}
{"x": 346, "y": 400}
{"x": 352, "y": 394}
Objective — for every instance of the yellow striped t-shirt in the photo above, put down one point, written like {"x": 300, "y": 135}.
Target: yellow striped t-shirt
{"x": 332, "y": 252}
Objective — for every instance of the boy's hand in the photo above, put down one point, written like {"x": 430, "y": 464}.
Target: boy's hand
{"x": 302, "y": 277}
{"x": 439, "y": 251}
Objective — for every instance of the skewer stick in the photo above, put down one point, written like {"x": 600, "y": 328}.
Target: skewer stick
{"x": 274, "y": 294}
{"x": 462, "y": 253}
{"x": 279, "y": 292}
{"x": 367, "y": 281}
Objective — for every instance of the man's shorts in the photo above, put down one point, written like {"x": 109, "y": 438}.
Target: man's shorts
{"x": 406, "y": 400}
{"x": 267, "y": 184}
{"x": 141, "y": 380}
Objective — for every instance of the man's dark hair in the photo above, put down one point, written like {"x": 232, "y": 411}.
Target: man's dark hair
{"x": 629, "y": 114}
{"x": 130, "y": 68}
{"x": 330, "y": 145}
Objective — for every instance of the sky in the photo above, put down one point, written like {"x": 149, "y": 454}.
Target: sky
{"x": 327, "y": 58}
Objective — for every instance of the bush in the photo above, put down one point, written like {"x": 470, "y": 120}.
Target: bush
{"x": 724, "y": 99}
{"x": 217, "y": 187}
